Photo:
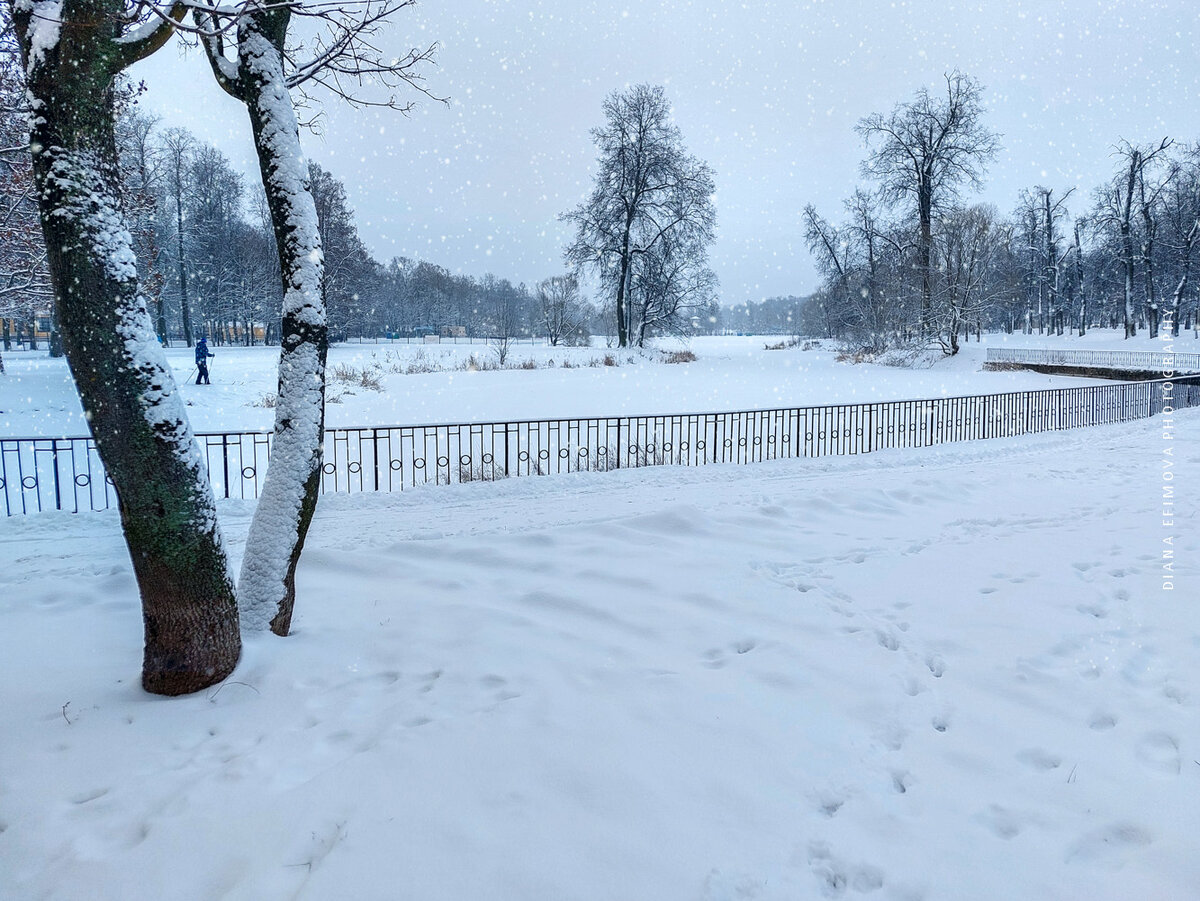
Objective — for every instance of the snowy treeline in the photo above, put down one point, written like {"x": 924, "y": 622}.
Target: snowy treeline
{"x": 207, "y": 259}
{"x": 215, "y": 267}
{"x": 913, "y": 258}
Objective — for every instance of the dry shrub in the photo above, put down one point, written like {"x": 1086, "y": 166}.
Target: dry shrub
{"x": 679, "y": 356}
{"x": 344, "y": 374}
{"x": 785, "y": 344}
{"x": 267, "y": 400}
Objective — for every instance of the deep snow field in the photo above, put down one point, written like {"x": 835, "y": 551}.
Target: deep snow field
{"x": 37, "y": 397}
{"x": 949, "y": 673}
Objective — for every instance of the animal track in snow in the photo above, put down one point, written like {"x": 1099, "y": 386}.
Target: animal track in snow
{"x": 716, "y": 658}
{"x": 836, "y": 876}
{"x": 1038, "y": 759}
{"x": 1102, "y": 722}
{"x": 1159, "y": 751}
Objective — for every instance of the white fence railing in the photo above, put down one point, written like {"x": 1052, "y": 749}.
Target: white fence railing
{"x": 1141, "y": 360}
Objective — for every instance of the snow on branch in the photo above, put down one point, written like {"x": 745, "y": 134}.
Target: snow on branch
{"x": 343, "y": 56}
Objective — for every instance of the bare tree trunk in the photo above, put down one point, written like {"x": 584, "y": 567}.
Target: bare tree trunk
{"x": 622, "y": 298}
{"x": 1177, "y": 298}
{"x": 267, "y": 584}
{"x": 1079, "y": 281}
{"x": 925, "y": 249}
{"x": 125, "y": 384}
{"x": 1127, "y": 244}
{"x": 183, "y": 287}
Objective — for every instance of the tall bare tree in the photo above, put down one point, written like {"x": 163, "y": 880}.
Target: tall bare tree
{"x": 1116, "y": 208}
{"x": 178, "y": 144}
{"x": 646, "y": 188}
{"x": 562, "y": 311}
{"x": 923, "y": 151}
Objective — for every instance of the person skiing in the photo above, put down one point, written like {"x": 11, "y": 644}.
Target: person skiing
{"x": 202, "y": 355}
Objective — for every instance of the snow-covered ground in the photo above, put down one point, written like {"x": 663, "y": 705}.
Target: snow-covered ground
{"x": 38, "y": 398}
{"x": 943, "y": 674}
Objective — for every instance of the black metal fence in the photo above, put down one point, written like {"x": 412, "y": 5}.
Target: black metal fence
{"x": 66, "y": 474}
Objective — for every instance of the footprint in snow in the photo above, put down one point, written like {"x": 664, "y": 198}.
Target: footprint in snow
{"x": 1159, "y": 751}
{"x": 716, "y": 658}
{"x": 1039, "y": 759}
{"x": 1102, "y": 722}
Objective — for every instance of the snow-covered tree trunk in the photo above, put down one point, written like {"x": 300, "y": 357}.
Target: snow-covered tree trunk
{"x": 267, "y": 585}
{"x": 72, "y": 54}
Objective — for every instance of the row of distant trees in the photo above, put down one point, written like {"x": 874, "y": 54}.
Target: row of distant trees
{"x": 208, "y": 263}
{"x": 912, "y": 259}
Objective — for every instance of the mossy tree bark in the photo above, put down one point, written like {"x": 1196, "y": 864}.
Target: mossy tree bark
{"x": 72, "y": 53}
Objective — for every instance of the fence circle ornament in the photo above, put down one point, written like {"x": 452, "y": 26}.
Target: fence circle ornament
{"x": 633, "y": 449}
{"x": 82, "y": 480}
{"x": 563, "y": 453}
{"x": 329, "y": 469}
{"x": 583, "y": 452}
{"x": 397, "y": 465}
{"x": 649, "y": 448}
{"x": 29, "y": 482}
{"x": 443, "y": 461}
{"x": 523, "y": 456}
{"x": 757, "y": 440}
{"x": 699, "y": 445}
{"x": 543, "y": 454}
{"x": 487, "y": 459}
{"x": 355, "y": 467}
{"x": 464, "y": 460}
{"x": 602, "y": 451}
{"x": 419, "y": 463}
{"x": 666, "y": 448}
{"x": 729, "y": 442}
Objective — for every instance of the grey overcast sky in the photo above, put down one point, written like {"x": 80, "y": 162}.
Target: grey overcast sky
{"x": 767, "y": 92}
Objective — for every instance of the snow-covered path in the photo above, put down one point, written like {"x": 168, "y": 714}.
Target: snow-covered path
{"x": 941, "y": 674}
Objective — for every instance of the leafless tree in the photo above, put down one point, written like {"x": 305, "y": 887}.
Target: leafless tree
{"x": 1116, "y": 207}
{"x": 672, "y": 285}
{"x": 178, "y": 144}
{"x": 646, "y": 188}
{"x": 923, "y": 151}
{"x": 248, "y": 49}
{"x": 970, "y": 243}
{"x": 564, "y": 314}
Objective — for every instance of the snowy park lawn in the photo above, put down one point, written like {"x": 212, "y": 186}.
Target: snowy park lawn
{"x": 37, "y": 397}
{"x": 942, "y": 674}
